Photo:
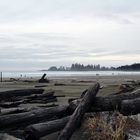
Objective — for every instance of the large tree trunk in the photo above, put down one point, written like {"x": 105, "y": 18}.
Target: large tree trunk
{"x": 35, "y": 131}
{"x": 7, "y": 95}
{"x": 33, "y": 116}
{"x": 78, "y": 114}
{"x": 130, "y": 107}
{"x": 108, "y": 103}
{"x": 111, "y": 103}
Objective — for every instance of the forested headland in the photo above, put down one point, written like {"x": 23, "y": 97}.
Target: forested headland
{"x": 91, "y": 67}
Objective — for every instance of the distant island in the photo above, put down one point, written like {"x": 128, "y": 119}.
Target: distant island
{"x": 90, "y": 67}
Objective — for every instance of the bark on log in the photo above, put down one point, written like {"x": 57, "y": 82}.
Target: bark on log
{"x": 130, "y": 107}
{"x": 49, "y": 105}
{"x": 36, "y": 131}
{"x": 108, "y": 103}
{"x": 6, "y": 95}
{"x": 111, "y": 103}
{"x": 5, "y": 136}
{"x": 35, "y": 98}
{"x": 11, "y": 104}
{"x": 78, "y": 114}
{"x": 40, "y": 96}
{"x": 12, "y": 111}
{"x": 33, "y": 116}
{"x": 40, "y": 86}
{"x": 124, "y": 88}
{"x": 43, "y": 101}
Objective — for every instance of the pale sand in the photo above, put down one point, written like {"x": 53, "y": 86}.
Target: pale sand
{"x": 72, "y": 88}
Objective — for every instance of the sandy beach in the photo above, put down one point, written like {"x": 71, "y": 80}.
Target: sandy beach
{"x": 71, "y": 87}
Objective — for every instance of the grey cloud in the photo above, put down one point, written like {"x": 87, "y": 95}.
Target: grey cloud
{"x": 47, "y": 9}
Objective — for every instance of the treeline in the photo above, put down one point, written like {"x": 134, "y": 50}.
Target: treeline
{"x": 82, "y": 67}
{"x": 133, "y": 67}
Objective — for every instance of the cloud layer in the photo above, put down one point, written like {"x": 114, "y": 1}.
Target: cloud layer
{"x": 37, "y": 34}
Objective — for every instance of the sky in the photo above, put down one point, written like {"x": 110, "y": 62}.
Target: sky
{"x": 37, "y": 34}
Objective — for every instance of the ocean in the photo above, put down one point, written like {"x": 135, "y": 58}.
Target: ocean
{"x": 15, "y": 74}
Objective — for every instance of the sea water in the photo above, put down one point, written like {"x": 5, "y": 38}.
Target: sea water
{"x": 25, "y": 74}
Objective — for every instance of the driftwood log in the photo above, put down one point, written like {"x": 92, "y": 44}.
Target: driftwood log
{"x": 4, "y": 136}
{"x": 108, "y": 103}
{"x": 77, "y": 116}
{"x": 43, "y": 101}
{"x": 33, "y": 116}
{"x": 100, "y": 104}
{"x": 34, "y": 98}
{"x": 43, "y": 80}
{"x": 7, "y": 95}
{"x": 12, "y": 110}
{"x": 25, "y": 101}
{"x": 130, "y": 107}
{"x": 36, "y": 131}
{"x": 11, "y": 104}
{"x": 40, "y": 96}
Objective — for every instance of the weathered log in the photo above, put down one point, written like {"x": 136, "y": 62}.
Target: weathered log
{"x": 48, "y": 105}
{"x": 35, "y": 131}
{"x": 60, "y": 96}
{"x": 40, "y": 96}
{"x": 7, "y": 95}
{"x": 43, "y": 80}
{"x": 11, "y": 104}
{"x": 43, "y": 101}
{"x": 111, "y": 103}
{"x": 59, "y": 84}
{"x": 78, "y": 114}
{"x": 108, "y": 103}
{"x": 16, "y": 133}
{"x": 130, "y": 107}
{"x": 4, "y": 136}
{"x": 33, "y": 116}
{"x": 12, "y": 111}
{"x": 134, "y": 82}
{"x": 40, "y": 86}
{"x": 42, "y": 129}
{"x": 16, "y": 110}
{"x": 124, "y": 88}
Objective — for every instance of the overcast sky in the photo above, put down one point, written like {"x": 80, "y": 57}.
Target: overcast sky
{"x": 36, "y": 34}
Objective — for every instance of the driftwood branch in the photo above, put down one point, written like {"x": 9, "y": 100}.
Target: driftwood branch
{"x": 78, "y": 114}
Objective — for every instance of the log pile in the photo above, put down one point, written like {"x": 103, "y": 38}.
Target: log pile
{"x": 14, "y": 98}
{"x": 35, "y": 123}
